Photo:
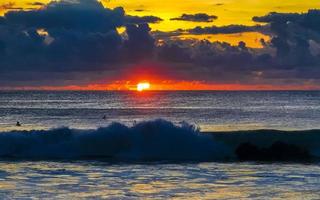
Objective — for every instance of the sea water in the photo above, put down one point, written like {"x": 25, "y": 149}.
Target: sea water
{"x": 157, "y": 145}
{"x": 211, "y": 110}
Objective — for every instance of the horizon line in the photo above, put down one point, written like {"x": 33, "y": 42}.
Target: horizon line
{"x": 146, "y": 91}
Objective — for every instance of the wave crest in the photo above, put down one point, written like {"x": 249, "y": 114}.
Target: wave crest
{"x": 146, "y": 141}
{"x": 160, "y": 140}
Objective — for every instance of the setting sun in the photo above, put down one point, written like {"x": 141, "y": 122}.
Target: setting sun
{"x": 143, "y": 86}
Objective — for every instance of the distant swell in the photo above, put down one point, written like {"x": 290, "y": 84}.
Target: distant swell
{"x": 160, "y": 140}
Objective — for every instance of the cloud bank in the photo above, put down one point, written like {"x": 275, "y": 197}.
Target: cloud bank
{"x": 77, "y": 42}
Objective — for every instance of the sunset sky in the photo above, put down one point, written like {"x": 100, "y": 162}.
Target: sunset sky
{"x": 173, "y": 44}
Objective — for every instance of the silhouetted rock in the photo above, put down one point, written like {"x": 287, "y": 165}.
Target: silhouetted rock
{"x": 248, "y": 151}
{"x": 278, "y": 151}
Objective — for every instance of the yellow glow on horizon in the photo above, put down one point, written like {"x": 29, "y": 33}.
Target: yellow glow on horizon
{"x": 143, "y": 86}
{"x": 170, "y": 85}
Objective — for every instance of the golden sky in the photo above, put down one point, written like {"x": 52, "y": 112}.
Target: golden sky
{"x": 228, "y": 12}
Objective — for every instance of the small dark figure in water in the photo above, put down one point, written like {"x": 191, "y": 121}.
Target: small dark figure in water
{"x": 18, "y": 124}
{"x": 104, "y": 117}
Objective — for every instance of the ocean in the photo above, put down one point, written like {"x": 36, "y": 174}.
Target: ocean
{"x": 160, "y": 145}
{"x": 211, "y": 110}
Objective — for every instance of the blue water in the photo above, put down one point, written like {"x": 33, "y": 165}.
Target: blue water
{"x": 190, "y": 154}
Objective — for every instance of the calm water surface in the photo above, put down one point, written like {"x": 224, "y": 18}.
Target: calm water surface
{"x": 209, "y": 109}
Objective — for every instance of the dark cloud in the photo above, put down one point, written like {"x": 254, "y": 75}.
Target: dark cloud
{"x": 282, "y": 23}
{"x": 280, "y": 17}
{"x": 199, "y": 17}
{"x": 81, "y": 33}
{"x": 307, "y": 21}
{"x": 139, "y": 10}
{"x": 142, "y": 20}
{"x": 294, "y": 48}
{"x": 294, "y": 58}
{"x": 174, "y": 53}
{"x": 2, "y": 20}
{"x": 70, "y": 36}
{"x": 82, "y": 15}
{"x": 36, "y": 4}
{"x": 292, "y": 34}
{"x": 225, "y": 29}
{"x": 140, "y": 43}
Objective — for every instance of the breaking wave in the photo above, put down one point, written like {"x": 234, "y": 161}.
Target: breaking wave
{"x": 160, "y": 140}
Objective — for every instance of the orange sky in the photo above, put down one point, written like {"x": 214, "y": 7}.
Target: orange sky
{"x": 173, "y": 86}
